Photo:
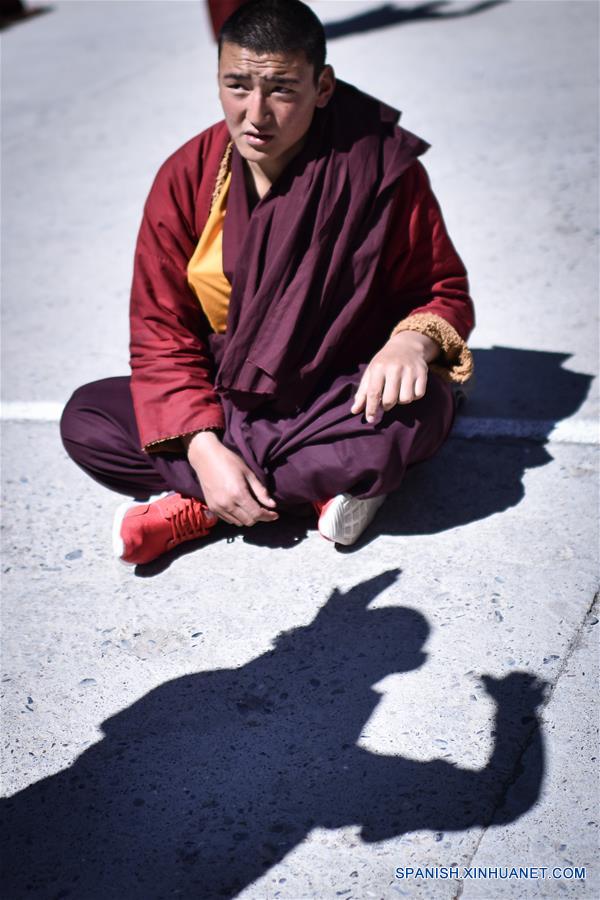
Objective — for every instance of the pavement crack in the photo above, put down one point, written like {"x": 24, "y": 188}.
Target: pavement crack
{"x": 592, "y": 610}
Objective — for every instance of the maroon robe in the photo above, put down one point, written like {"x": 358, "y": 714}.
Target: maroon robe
{"x": 413, "y": 267}
{"x": 220, "y": 10}
{"x": 314, "y": 296}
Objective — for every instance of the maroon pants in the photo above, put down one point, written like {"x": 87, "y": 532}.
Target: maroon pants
{"x": 322, "y": 451}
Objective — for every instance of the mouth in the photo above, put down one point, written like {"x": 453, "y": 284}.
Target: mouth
{"x": 257, "y": 139}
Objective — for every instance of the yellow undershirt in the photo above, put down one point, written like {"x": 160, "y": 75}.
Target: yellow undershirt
{"x": 205, "y": 269}
{"x": 208, "y": 282}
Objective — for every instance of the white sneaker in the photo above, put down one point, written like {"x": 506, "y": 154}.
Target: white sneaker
{"x": 344, "y": 518}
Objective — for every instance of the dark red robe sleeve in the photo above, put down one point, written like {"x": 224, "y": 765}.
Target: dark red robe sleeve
{"x": 426, "y": 281}
{"x": 171, "y": 380}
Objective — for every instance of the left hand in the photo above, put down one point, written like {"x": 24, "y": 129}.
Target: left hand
{"x": 397, "y": 374}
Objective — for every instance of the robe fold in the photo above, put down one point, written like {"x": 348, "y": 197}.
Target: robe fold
{"x": 303, "y": 264}
{"x": 349, "y": 241}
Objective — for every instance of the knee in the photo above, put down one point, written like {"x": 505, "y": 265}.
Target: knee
{"x": 76, "y": 419}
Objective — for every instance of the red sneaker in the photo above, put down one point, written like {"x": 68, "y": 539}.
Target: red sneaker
{"x": 344, "y": 518}
{"x": 144, "y": 531}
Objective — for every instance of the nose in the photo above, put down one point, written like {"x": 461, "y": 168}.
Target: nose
{"x": 258, "y": 111}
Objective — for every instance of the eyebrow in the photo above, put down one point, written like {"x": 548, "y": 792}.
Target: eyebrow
{"x": 276, "y": 79}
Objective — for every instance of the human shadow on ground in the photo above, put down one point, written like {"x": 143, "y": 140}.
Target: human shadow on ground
{"x": 203, "y": 784}
{"x": 392, "y": 14}
{"x": 525, "y": 384}
{"x": 469, "y": 480}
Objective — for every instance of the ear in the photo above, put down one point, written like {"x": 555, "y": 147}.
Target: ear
{"x": 325, "y": 86}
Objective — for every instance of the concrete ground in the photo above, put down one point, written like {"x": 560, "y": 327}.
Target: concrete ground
{"x": 266, "y": 716}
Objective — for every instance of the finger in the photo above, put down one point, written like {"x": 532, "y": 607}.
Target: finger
{"x": 251, "y": 515}
{"x": 259, "y": 490}
{"x": 249, "y": 512}
{"x": 361, "y": 394}
{"x": 374, "y": 393}
{"x": 256, "y": 513}
{"x": 421, "y": 385}
{"x": 225, "y": 509}
{"x": 228, "y": 517}
{"x": 414, "y": 385}
{"x": 407, "y": 387}
{"x": 391, "y": 390}
{"x": 244, "y": 506}
{"x": 266, "y": 515}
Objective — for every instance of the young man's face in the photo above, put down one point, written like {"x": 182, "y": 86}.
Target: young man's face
{"x": 269, "y": 101}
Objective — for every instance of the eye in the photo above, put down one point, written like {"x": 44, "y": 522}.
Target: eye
{"x": 236, "y": 86}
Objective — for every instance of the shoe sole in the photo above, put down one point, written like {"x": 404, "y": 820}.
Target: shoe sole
{"x": 346, "y": 518}
{"x": 120, "y": 513}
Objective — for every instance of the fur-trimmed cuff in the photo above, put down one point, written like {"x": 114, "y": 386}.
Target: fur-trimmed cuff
{"x": 456, "y": 361}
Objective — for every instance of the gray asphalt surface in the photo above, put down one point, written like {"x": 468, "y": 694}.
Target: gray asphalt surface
{"x": 264, "y": 716}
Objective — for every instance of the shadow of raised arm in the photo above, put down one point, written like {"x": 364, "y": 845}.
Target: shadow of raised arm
{"x": 441, "y": 796}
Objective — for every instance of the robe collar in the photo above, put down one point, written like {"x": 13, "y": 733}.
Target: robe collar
{"x": 302, "y": 263}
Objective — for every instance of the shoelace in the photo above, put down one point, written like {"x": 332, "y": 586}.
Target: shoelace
{"x": 188, "y": 520}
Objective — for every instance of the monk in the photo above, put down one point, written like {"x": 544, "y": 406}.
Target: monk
{"x": 298, "y": 311}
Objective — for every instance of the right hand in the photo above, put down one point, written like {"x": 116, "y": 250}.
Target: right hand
{"x": 517, "y": 690}
{"x": 231, "y": 489}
